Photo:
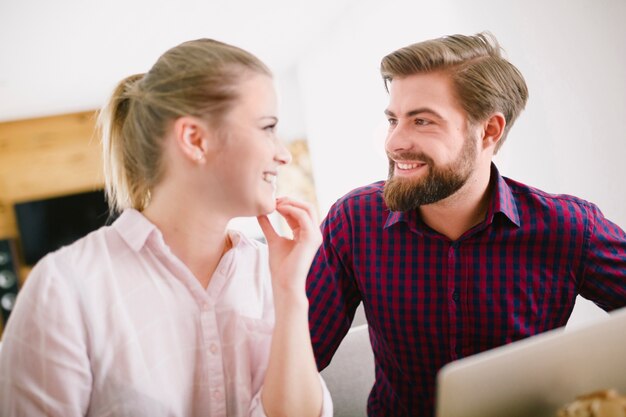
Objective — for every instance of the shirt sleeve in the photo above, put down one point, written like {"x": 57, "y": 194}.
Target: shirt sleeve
{"x": 44, "y": 365}
{"x": 604, "y": 266}
{"x": 256, "y": 406}
{"x": 331, "y": 287}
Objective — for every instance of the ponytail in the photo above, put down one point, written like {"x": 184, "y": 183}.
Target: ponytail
{"x": 111, "y": 121}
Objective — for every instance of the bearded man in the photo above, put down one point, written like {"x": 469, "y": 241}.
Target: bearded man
{"x": 448, "y": 257}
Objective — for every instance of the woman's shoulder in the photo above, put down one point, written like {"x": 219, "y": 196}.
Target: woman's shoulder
{"x": 78, "y": 259}
{"x": 89, "y": 249}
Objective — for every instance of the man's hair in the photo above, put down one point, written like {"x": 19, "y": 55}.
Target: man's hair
{"x": 484, "y": 81}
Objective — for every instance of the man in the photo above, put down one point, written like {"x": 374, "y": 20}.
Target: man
{"x": 448, "y": 257}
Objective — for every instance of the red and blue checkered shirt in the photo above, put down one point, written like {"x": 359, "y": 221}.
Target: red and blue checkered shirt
{"x": 429, "y": 300}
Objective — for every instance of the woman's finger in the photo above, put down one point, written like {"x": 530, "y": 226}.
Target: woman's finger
{"x": 303, "y": 205}
{"x": 288, "y": 213}
{"x": 297, "y": 218}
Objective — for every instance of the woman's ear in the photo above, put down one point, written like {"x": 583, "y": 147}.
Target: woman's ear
{"x": 493, "y": 129}
{"x": 191, "y": 135}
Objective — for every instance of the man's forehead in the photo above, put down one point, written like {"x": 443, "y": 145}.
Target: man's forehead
{"x": 421, "y": 91}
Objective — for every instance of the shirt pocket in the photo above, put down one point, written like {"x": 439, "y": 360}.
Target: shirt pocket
{"x": 258, "y": 343}
{"x": 246, "y": 343}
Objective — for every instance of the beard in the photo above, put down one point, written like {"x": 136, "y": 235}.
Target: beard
{"x": 440, "y": 182}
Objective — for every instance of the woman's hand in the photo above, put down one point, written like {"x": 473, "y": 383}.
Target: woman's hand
{"x": 290, "y": 259}
{"x": 292, "y": 386}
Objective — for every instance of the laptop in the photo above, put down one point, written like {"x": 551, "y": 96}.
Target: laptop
{"x": 535, "y": 377}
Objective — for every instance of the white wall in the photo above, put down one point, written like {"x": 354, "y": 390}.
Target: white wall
{"x": 571, "y": 138}
{"x": 572, "y": 53}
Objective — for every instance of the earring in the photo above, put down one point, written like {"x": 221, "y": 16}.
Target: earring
{"x": 199, "y": 156}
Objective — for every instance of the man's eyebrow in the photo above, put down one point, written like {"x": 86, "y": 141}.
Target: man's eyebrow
{"x": 415, "y": 112}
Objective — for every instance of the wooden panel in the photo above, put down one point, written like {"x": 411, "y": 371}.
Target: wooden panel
{"x": 46, "y": 157}
{"x": 23, "y": 271}
{"x": 50, "y": 172}
{"x": 45, "y": 132}
{"x": 6, "y": 228}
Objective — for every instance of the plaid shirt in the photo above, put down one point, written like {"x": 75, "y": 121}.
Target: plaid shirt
{"x": 429, "y": 300}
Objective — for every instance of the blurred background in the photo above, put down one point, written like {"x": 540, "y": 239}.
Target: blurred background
{"x": 63, "y": 58}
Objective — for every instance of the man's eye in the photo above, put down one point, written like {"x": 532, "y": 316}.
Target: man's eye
{"x": 422, "y": 122}
{"x": 392, "y": 122}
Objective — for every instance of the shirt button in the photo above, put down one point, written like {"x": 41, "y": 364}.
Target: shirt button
{"x": 455, "y": 296}
{"x": 217, "y": 395}
{"x": 213, "y": 348}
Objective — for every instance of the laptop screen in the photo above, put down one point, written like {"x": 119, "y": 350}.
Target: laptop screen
{"x": 536, "y": 376}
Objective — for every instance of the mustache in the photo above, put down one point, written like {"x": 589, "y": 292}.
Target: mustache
{"x": 409, "y": 156}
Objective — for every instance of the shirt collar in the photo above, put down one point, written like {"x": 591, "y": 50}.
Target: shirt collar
{"x": 502, "y": 201}
{"x": 396, "y": 217}
{"x": 134, "y": 228}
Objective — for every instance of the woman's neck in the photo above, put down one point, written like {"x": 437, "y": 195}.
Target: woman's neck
{"x": 196, "y": 235}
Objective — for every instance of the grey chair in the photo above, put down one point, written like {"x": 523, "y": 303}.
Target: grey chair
{"x": 350, "y": 375}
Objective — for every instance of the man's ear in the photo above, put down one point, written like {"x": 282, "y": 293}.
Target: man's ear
{"x": 493, "y": 129}
{"x": 191, "y": 135}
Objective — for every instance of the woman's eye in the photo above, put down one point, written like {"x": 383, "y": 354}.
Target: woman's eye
{"x": 270, "y": 128}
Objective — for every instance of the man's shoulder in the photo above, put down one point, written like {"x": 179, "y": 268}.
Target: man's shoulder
{"x": 533, "y": 197}
{"x": 362, "y": 202}
{"x": 371, "y": 193}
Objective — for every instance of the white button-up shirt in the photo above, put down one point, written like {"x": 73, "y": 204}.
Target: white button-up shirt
{"x": 116, "y": 325}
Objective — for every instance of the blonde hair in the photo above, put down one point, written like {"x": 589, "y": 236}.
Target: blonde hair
{"x": 197, "y": 78}
{"x": 484, "y": 81}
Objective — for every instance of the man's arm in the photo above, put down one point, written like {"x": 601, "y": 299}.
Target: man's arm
{"x": 331, "y": 287}
{"x": 604, "y": 267}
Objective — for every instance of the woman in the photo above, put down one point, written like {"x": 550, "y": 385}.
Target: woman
{"x": 165, "y": 312}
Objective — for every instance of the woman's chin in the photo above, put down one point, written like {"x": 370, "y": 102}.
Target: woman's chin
{"x": 266, "y": 207}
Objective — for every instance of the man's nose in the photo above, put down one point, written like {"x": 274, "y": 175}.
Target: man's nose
{"x": 398, "y": 139}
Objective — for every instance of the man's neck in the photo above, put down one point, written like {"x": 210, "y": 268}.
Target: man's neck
{"x": 466, "y": 208}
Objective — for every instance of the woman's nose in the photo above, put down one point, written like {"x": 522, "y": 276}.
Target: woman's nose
{"x": 283, "y": 156}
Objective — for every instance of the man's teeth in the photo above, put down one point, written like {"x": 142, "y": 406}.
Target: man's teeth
{"x": 407, "y": 166}
{"x": 269, "y": 177}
